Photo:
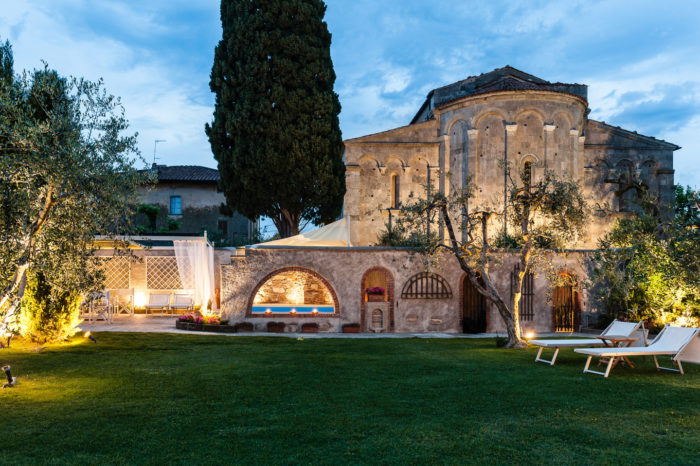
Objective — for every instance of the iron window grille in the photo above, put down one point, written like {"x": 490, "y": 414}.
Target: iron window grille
{"x": 426, "y": 285}
{"x": 527, "y": 298}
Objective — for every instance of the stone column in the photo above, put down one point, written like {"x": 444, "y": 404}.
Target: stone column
{"x": 548, "y": 131}
{"x": 574, "y": 155}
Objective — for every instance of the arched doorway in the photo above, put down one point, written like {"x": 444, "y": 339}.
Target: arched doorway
{"x": 566, "y": 311}
{"x": 377, "y": 301}
{"x": 473, "y": 308}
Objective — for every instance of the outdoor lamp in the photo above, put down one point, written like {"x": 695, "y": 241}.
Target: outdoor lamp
{"x": 11, "y": 381}
{"x": 89, "y": 335}
{"x": 530, "y": 335}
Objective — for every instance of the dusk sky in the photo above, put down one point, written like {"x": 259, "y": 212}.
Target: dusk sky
{"x": 640, "y": 59}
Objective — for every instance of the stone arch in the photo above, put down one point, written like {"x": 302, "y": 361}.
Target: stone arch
{"x": 395, "y": 158}
{"x": 313, "y": 273}
{"x": 388, "y": 303}
{"x": 367, "y": 159}
{"x": 489, "y": 112}
{"x": 567, "y": 116}
{"x": 530, "y": 110}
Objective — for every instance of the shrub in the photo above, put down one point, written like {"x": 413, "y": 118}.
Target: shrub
{"x": 48, "y": 315}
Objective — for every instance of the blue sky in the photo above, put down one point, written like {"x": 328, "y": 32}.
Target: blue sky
{"x": 640, "y": 59}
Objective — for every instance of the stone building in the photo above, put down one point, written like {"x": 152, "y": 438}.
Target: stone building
{"x": 189, "y": 194}
{"x": 461, "y": 131}
{"x": 475, "y": 127}
{"x": 471, "y": 129}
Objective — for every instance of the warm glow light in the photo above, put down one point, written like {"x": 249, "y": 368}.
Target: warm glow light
{"x": 140, "y": 299}
{"x": 268, "y": 311}
{"x": 315, "y": 311}
{"x": 293, "y": 311}
{"x": 87, "y": 334}
{"x": 529, "y": 335}
{"x": 296, "y": 295}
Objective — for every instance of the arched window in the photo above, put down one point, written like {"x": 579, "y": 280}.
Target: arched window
{"x": 395, "y": 191}
{"x": 426, "y": 285}
{"x": 527, "y": 173}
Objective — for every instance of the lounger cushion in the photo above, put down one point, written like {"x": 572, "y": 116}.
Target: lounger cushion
{"x": 565, "y": 343}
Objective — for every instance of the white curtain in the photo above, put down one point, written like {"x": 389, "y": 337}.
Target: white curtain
{"x": 195, "y": 263}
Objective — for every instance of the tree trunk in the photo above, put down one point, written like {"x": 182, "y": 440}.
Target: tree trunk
{"x": 489, "y": 291}
{"x": 287, "y": 223}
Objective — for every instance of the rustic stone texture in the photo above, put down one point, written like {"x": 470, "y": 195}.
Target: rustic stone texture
{"x": 344, "y": 270}
{"x": 466, "y": 132}
{"x": 293, "y": 287}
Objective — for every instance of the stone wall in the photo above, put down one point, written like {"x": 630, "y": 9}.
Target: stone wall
{"x": 344, "y": 269}
{"x": 471, "y": 138}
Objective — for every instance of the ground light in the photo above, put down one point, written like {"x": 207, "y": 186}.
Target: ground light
{"x": 89, "y": 335}
{"x": 11, "y": 381}
{"x": 529, "y": 335}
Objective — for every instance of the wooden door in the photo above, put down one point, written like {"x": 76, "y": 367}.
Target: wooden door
{"x": 473, "y": 309}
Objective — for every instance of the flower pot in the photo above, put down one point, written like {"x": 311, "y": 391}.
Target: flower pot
{"x": 375, "y": 298}
{"x": 275, "y": 327}
{"x": 309, "y": 328}
{"x": 351, "y": 328}
{"x": 244, "y": 327}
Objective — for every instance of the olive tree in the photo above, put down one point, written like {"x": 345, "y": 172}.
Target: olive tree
{"x": 546, "y": 216}
{"x": 66, "y": 173}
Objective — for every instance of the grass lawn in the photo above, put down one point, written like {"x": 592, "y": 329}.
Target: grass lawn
{"x": 156, "y": 398}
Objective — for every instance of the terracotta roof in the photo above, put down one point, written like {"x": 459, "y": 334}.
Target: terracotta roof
{"x": 186, "y": 173}
{"x": 498, "y": 80}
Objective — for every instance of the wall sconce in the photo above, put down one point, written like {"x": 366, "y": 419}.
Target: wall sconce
{"x": 11, "y": 381}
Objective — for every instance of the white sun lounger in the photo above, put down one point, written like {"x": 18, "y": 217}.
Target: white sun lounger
{"x": 681, "y": 343}
{"x": 616, "y": 328}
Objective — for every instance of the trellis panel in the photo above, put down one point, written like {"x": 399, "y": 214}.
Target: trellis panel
{"x": 117, "y": 273}
{"x": 162, "y": 273}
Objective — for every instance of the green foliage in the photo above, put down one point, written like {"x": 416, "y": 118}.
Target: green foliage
{"x": 66, "y": 173}
{"x": 275, "y": 132}
{"x": 48, "y": 315}
{"x": 398, "y": 235}
{"x": 151, "y": 212}
{"x": 648, "y": 267}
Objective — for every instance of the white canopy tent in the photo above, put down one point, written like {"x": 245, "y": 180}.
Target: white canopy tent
{"x": 195, "y": 263}
{"x": 336, "y": 234}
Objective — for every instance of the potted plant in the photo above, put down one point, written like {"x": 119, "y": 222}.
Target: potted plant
{"x": 351, "y": 328}
{"x": 276, "y": 327}
{"x": 309, "y": 327}
{"x": 376, "y": 293}
{"x": 244, "y": 327}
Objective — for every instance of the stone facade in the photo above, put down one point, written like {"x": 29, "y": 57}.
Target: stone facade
{"x": 200, "y": 203}
{"x": 468, "y": 129}
{"x": 345, "y": 272}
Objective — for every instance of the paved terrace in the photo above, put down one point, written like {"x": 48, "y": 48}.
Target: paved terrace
{"x": 156, "y": 324}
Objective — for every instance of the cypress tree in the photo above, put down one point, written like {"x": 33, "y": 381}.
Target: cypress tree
{"x": 275, "y": 133}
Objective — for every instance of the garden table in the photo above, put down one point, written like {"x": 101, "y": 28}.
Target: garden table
{"x": 617, "y": 341}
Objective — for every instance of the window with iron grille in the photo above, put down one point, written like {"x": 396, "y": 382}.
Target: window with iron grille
{"x": 527, "y": 297}
{"x": 426, "y": 285}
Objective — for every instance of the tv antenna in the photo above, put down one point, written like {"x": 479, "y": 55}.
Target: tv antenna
{"x": 155, "y": 146}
